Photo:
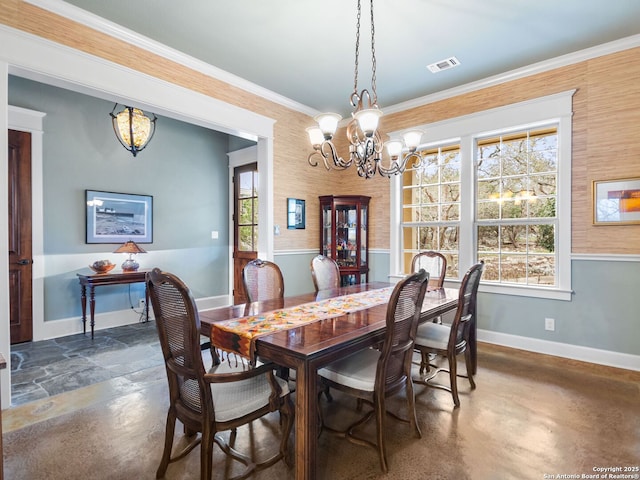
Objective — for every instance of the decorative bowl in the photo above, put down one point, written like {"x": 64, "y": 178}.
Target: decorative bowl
{"x": 102, "y": 266}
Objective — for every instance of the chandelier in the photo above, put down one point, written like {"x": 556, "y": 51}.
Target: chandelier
{"x": 365, "y": 142}
{"x": 133, "y": 128}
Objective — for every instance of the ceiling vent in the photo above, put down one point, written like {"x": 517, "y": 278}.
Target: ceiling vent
{"x": 445, "y": 64}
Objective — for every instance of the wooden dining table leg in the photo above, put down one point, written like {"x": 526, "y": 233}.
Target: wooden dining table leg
{"x": 306, "y": 422}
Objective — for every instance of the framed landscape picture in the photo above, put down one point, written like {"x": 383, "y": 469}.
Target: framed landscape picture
{"x": 616, "y": 202}
{"x": 118, "y": 217}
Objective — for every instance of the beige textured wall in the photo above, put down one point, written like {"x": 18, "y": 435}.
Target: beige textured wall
{"x": 606, "y": 138}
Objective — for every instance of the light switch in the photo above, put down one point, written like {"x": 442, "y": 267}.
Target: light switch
{"x": 214, "y": 235}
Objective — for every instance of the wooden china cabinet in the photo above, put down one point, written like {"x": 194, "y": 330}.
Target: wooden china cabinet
{"x": 344, "y": 223}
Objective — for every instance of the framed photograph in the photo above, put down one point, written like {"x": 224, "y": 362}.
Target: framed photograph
{"x": 118, "y": 217}
{"x": 295, "y": 213}
{"x": 616, "y": 202}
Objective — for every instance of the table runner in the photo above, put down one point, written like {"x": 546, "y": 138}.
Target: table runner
{"x": 239, "y": 334}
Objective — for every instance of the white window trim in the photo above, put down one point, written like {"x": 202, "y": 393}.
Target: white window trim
{"x": 556, "y": 108}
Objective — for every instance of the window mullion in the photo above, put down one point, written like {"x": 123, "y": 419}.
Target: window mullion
{"x": 467, "y": 241}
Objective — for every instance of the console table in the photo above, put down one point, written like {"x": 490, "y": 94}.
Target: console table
{"x": 98, "y": 279}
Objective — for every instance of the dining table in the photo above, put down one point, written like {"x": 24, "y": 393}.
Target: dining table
{"x": 309, "y": 346}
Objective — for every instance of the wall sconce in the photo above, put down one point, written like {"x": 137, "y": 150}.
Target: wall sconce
{"x": 132, "y": 248}
{"x": 133, "y": 128}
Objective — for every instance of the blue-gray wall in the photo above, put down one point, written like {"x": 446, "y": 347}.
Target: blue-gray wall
{"x": 184, "y": 168}
{"x": 602, "y": 314}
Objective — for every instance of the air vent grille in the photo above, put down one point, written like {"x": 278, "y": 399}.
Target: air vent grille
{"x": 445, "y": 64}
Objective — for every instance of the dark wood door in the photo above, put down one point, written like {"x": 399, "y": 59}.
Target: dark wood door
{"x": 20, "y": 253}
{"x": 245, "y": 222}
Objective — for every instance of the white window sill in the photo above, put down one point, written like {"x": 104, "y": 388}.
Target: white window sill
{"x": 550, "y": 293}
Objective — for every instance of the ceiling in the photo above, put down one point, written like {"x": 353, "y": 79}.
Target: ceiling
{"x": 304, "y": 49}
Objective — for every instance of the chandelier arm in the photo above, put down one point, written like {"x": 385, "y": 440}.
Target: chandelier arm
{"x": 331, "y": 158}
{"x": 397, "y": 167}
{"x": 315, "y": 164}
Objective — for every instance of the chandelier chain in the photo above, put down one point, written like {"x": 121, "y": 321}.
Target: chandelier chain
{"x": 373, "y": 59}
{"x": 355, "y": 73}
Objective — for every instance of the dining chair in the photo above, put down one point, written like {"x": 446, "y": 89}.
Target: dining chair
{"x": 231, "y": 394}
{"x": 371, "y": 375}
{"x": 434, "y": 263}
{"x": 325, "y": 273}
{"x": 262, "y": 280}
{"x": 451, "y": 340}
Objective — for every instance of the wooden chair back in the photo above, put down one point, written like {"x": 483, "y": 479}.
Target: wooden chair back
{"x": 466, "y": 311}
{"x": 262, "y": 280}
{"x": 325, "y": 273}
{"x": 178, "y": 327}
{"x": 403, "y": 315}
{"x": 434, "y": 263}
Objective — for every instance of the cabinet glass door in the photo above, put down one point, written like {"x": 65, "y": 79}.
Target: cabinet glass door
{"x": 363, "y": 237}
{"x": 326, "y": 231}
{"x": 346, "y": 239}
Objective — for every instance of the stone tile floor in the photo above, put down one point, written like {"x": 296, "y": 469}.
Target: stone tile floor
{"x": 45, "y": 368}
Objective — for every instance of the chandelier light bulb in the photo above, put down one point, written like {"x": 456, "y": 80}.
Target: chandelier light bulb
{"x": 394, "y": 148}
{"x": 368, "y": 120}
{"x": 328, "y": 123}
{"x": 316, "y": 137}
{"x": 412, "y": 139}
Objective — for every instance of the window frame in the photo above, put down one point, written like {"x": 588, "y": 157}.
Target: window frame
{"x": 466, "y": 130}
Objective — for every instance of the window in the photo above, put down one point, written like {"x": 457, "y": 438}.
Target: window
{"x": 431, "y": 206}
{"x": 515, "y": 184}
{"x": 492, "y": 186}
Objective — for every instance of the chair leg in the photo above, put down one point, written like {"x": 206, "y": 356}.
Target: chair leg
{"x": 381, "y": 411}
{"x": 168, "y": 444}
{"x": 469, "y": 364}
{"x": 424, "y": 363}
{"x": 411, "y": 400}
{"x": 453, "y": 375}
{"x": 287, "y": 413}
{"x": 206, "y": 453}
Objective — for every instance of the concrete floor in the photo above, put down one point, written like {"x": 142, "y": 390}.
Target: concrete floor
{"x": 531, "y": 415}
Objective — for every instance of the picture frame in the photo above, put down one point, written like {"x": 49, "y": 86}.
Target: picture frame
{"x": 295, "y": 213}
{"x": 117, "y": 217}
{"x": 616, "y": 202}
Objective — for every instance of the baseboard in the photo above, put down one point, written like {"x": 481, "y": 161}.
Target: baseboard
{"x": 565, "y": 350}
{"x": 119, "y": 318}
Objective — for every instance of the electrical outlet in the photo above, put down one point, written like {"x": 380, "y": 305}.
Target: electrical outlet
{"x": 550, "y": 324}
{"x": 141, "y": 303}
